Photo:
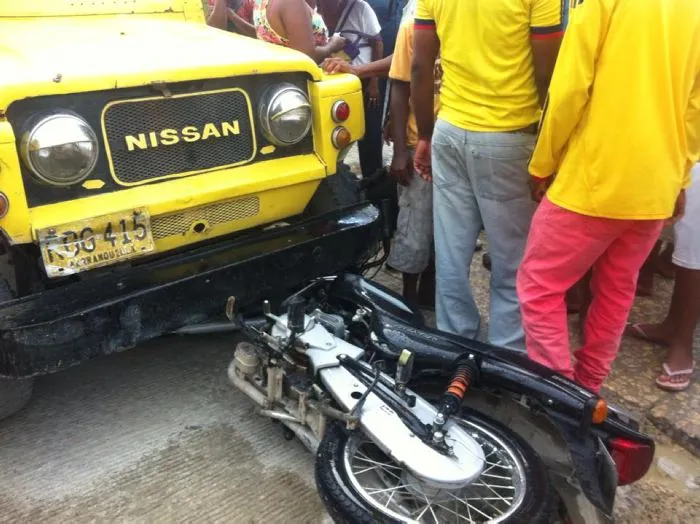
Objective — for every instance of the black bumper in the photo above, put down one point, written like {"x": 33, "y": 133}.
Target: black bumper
{"x": 59, "y": 328}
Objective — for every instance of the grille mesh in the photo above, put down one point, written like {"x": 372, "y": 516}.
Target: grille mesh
{"x": 144, "y": 120}
{"x": 164, "y": 226}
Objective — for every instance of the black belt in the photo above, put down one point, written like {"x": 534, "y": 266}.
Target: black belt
{"x": 530, "y": 130}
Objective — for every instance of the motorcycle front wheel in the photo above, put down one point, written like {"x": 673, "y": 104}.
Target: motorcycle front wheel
{"x": 360, "y": 484}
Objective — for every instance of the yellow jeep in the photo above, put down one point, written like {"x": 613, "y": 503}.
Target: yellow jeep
{"x": 151, "y": 167}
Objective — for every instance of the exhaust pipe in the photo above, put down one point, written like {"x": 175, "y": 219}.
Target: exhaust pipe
{"x": 305, "y": 436}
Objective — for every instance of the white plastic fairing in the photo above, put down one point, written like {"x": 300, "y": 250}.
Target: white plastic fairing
{"x": 382, "y": 424}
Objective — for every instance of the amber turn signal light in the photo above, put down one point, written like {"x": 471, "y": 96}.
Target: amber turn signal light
{"x": 341, "y": 137}
{"x": 4, "y": 205}
{"x": 340, "y": 111}
{"x": 600, "y": 412}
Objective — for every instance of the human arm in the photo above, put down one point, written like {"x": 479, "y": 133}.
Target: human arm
{"x": 218, "y": 15}
{"x": 569, "y": 91}
{"x": 296, "y": 21}
{"x": 546, "y": 32}
{"x": 399, "y": 107}
{"x": 426, "y": 47}
{"x": 379, "y": 68}
{"x": 544, "y": 58}
{"x": 377, "y": 53}
{"x": 335, "y": 44}
{"x": 364, "y": 20}
{"x": 242, "y": 26}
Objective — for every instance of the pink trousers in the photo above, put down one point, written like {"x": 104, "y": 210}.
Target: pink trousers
{"x": 561, "y": 248}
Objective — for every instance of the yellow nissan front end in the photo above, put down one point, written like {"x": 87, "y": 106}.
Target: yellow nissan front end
{"x": 134, "y": 142}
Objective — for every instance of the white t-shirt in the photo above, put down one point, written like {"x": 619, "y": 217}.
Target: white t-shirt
{"x": 359, "y": 17}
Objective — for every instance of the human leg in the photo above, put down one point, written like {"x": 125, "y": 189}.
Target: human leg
{"x": 498, "y": 170}
{"x": 613, "y": 287}
{"x": 370, "y": 147}
{"x": 684, "y": 313}
{"x": 561, "y": 247}
{"x": 426, "y": 286}
{"x": 412, "y": 247}
{"x": 457, "y": 225}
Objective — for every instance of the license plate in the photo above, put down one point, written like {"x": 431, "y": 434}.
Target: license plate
{"x": 95, "y": 242}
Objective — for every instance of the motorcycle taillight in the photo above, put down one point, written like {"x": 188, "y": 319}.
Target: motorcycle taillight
{"x": 632, "y": 459}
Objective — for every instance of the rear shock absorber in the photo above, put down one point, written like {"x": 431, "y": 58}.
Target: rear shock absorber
{"x": 453, "y": 397}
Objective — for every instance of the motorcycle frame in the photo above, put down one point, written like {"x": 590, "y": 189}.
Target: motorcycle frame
{"x": 551, "y": 412}
{"x": 559, "y": 409}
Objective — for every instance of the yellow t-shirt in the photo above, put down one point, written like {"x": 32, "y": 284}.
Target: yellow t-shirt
{"x": 400, "y": 70}
{"x": 488, "y": 79}
{"x": 621, "y": 127}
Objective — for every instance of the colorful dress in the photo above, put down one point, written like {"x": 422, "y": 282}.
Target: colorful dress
{"x": 266, "y": 33}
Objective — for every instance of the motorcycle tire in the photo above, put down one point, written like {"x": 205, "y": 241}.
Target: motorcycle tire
{"x": 345, "y": 504}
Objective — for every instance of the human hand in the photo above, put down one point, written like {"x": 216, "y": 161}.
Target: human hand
{"x": 679, "y": 209}
{"x": 386, "y": 134}
{"x": 400, "y": 170}
{"x": 539, "y": 186}
{"x": 334, "y": 66}
{"x": 336, "y": 43}
{"x": 422, "y": 161}
{"x": 373, "y": 92}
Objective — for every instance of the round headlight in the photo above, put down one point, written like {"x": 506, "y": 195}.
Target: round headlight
{"x": 285, "y": 115}
{"x": 60, "y": 149}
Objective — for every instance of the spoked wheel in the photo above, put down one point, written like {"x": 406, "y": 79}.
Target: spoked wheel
{"x": 360, "y": 483}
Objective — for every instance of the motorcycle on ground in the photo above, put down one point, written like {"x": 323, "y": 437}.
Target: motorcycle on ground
{"x": 409, "y": 424}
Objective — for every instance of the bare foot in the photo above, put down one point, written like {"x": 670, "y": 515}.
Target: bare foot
{"x": 655, "y": 333}
{"x": 679, "y": 358}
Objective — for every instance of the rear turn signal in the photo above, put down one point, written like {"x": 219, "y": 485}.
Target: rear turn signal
{"x": 4, "y": 205}
{"x": 341, "y": 137}
{"x": 600, "y": 412}
{"x": 340, "y": 111}
{"x": 632, "y": 459}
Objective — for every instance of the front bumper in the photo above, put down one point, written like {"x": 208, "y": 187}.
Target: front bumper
{"x": 59, "y": 328}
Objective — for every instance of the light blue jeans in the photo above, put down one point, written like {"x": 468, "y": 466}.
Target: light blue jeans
{"x": 480, "y": 179}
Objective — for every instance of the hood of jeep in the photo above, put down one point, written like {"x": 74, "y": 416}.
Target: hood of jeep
{"x": 41, "y": 57}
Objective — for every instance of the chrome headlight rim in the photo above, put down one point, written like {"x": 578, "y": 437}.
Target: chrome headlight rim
{"x": 36, "y": 125}
{"x": 266, "y": 105}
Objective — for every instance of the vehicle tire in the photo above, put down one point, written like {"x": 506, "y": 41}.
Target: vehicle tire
{"x": 346, "y": 503}
{"x": 335, "y": 192}
{"x": 14, "y": 394}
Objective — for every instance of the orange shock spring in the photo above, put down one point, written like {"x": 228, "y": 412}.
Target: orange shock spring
{"x": 461, "y": 380}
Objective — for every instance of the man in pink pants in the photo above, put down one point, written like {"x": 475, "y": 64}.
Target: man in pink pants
{"x": 621, "y": 131}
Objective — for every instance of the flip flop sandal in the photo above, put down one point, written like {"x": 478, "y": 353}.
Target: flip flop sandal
{"x": 669, "y": 380}
{"x": 636, "y": 331}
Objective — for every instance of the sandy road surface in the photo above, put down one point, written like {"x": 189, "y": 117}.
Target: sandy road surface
{"x": 156, "y": 434}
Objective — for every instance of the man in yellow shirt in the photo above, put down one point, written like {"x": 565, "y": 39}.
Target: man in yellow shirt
{"x": 412, "y": 248}
{"x": 497, "y": 57}
{"x": 621, "y": 131}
